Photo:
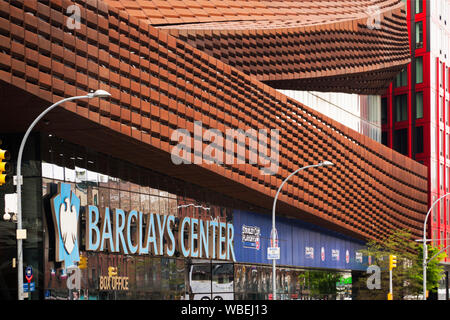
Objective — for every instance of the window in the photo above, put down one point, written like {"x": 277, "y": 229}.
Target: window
{"x": 401, "y": 108}
{"x": 384, "y": 111}
{"x": 441, "y": 184}
{"x": 442, "y": 145}
{"x": 419, "y": 105}
{"x": 419, "y": 34}
{"x": 448, "y": 210}
{"x": 446, "y": 183}
{"x": 402, "y": 78}
{"x": 419, "y": 69}
{"x": 447, "y": 149}
{"x": 401, "y": 141}
{"x": 419, "y": 6}
{"x": 448, "y": 237}
{"x": 447, "y": 70}
{"x": 384, "y": 138}
{"x": 419, "y": 139}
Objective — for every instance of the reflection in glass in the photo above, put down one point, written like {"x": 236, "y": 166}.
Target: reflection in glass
{"x": 47, "y": 170}
{"x": 103, "y": 181}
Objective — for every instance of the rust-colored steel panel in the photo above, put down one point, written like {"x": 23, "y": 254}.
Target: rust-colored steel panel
{"x": 357, "y": 46}
{"x": 160, "y": 83}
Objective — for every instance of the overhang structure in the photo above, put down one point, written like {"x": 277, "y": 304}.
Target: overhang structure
{"x": 160, "y": 83}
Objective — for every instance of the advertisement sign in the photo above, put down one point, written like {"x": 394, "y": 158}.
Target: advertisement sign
{"x": 359, "y": 257}
{"x": 335, "y": 255}
{"x": 309, "y": 252}
{"x": 251, "y": 237}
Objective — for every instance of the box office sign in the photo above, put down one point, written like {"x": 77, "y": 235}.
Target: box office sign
{"x": 134, "y": 232}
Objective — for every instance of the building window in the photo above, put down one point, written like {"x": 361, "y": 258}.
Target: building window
{"x": 419, "y": 105}
{"x": 401, "y": 141}
{"x": 419, "y": 69}
{"x": 419, "y": 35}
{"x": 447, "y": 149}
{"x": 402, "y": 79}
{"x": 401, "y": 108}
{"x": 384, "y": 138}
{"x": 448, "y": 210}
{"x": 384, "y": 111}
{"x": 442, "y": 145}
{"x": 447, "y": 70}
{"x": 419, "y": 6}
{"x": 441, "y": 184}
{"x": 446, "y": 184}
{"x": 419, "y": 139}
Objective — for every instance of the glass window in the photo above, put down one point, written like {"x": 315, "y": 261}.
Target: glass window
{"x": 448, "y": 207}
{"x": 384, "y": 138}
{"x": 384, "y": 111}
{"x": 419, "y": 35}
{"x": 419, "y": 105}
{"x": 419, "y": 6}
{"x": 419, "y": 139}
{"x": 401, "y": 141}
{"x": 447, "y": 85}
{"x": 401, "y": 108}
{"x": 419, "y": 69}
{"x": 402, "y": 78}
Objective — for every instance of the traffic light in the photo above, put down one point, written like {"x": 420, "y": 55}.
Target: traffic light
{"x": 83, "y": 262}
{"x": 112, "y": 271}
{"x": 4, "y": 166}
{"x": 392, "y": 262}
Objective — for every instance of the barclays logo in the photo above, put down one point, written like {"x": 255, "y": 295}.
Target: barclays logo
{"x": 66, "y": 209}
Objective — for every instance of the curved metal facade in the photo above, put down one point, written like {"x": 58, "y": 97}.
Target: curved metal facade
{"x": 331, "y": 46}
{"x": 160, "y": 83}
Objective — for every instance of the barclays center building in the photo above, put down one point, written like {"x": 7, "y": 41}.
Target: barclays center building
{"x": 112, "y": 212}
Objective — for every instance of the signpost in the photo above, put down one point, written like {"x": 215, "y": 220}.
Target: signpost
{"x": 30, "y": 286}
{"x": 273, "y": 253}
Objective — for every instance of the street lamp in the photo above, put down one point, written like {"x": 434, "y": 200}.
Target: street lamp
{"x": 425, "y": 247}
{"x": 322, "y": 164}
{"x": 21, "y": 233}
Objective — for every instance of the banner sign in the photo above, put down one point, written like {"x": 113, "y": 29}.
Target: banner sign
{"x": 251, "y": 237}
{"x": 133, "y": 232}
{"x": 309, "y": 252}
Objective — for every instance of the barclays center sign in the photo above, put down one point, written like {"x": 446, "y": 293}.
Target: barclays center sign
{"x": 133, "y": 232}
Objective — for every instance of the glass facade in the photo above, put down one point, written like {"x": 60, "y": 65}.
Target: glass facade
{"x": 254, "y": 282}
{"x": 362, "y": 113}
{"x": 107, "y": 182}
{"x": 101, "y": 180}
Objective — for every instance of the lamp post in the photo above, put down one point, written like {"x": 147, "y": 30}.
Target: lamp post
{"x": 21, "y": 233}
{"x": 425, "y": 247}
{"x": 322, "y": 164}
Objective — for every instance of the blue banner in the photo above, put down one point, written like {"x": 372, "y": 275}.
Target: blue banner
{"x": 302, "y": 244}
